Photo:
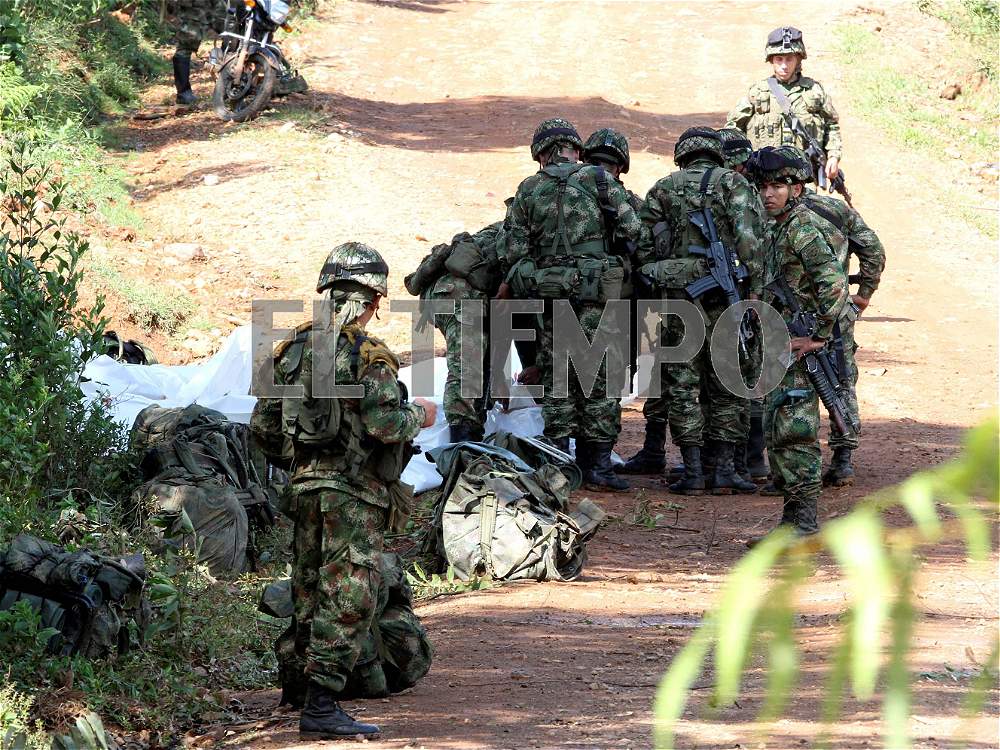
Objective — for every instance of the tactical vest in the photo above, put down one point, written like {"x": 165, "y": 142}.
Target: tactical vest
{"x": 583, "y": 272}
{"x": 319, "y": 436}
{"x": 689, "y": 190}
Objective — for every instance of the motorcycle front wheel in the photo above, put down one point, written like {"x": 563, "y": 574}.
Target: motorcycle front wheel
{"x": 243, "y": 99}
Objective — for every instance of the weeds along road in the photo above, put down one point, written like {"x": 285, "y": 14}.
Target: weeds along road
{"x": 416, "y": 128}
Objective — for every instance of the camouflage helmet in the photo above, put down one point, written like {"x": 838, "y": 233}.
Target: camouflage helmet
{"x": 735, "y": 146}
{"x": 610, "y": 144}
{"x": 783, "y": 164}
{"x": 552, "y": 131}
{"x": 354, "y": 262}
{"x": 696, "y": 140}
{"x": 786, "y": 40}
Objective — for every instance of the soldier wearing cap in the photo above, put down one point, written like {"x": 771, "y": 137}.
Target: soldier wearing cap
{"x": 760, "y": 114}
{"x": 563, "y": 244}
{"x": 345, "y": 457}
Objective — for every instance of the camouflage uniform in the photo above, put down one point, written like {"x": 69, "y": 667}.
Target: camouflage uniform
{"x": 797, "y": 251}
{"x": 535, "y": 238}
{"x": 846, "y": 232}
{"x": 466, "y": 415}
{"x": 194, "y": 19}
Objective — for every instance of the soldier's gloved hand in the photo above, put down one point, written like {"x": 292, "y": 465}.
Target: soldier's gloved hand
{"x": 861, "y": 302}
{"x": 430, "y": 411}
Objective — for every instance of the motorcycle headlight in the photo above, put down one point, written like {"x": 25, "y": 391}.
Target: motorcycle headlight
{"x": 277, "y": 10}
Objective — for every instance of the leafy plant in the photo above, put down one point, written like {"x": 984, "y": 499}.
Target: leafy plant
{"x": 430, "y": 586}
{"x": 757, "y": 606}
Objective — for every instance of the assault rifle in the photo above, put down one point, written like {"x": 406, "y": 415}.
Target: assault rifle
{"x": 819, "y": 365}
{"x": 813, "y": 149}
{"x": 725, "y": 272}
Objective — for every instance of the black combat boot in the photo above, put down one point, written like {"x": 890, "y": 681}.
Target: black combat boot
{"x": 789, "y": 509}
{"x": 693, "y": 480}
{"x": 182, "y": 80}
{"x": 740, "y": 461}
{"x": 463, "y": 431}
{"x": 840, "y": 473}
{"x": 756, "y": 463}
{"x": 676, "y": 471}
{"x": 771, "y": 489}
{"x": 805, "y": 518}
{"x": 562, "y": 444}
{"x": 708, "y": 458}
{"x": 651, "y": 458}
{"x": 598, "y": 473}
{"x": 324, "y": 719}
{"x": 725, "y": 480}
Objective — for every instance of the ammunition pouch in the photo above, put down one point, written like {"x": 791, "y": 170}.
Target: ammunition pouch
{"x": 675, "y": 273}
{"x": 467, "y": 261}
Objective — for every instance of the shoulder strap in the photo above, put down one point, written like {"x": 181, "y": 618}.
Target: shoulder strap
{"x": 824, "y": 213}
{"x": 779, "y": 93}
{"x": 706, "y": 187}
{"x": 608, "y": 211}
{"x": 359, "y": 339}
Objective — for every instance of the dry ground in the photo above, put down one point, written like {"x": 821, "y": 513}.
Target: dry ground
{"x": 415, "y": 129}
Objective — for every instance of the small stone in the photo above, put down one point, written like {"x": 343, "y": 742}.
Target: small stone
{"x": 210, "y": 180}
{"x": 951, "y": 91}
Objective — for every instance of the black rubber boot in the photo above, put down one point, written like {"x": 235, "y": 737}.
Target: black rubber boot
{"x": 805, "y": 518}
{"x": 462, "y": 432}
{"x": 708, "y": 458}
{"x": 693, "y": 480}
{"x": 182, "y": 80}
{"x": 652, "y": 457}
{"x": 324, "y": 719}
{"x": 840, "y": 473}
{"x": 740, "y": 461}
{"x": 725, "y": 480}
{"x": 756, "y": 463}
{"x": 771, "y": 489}
{"x": 598, "y": 473}
{"x": 676, "y": 471}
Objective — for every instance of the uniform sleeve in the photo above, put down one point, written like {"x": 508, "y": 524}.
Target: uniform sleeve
{"x": 829, "y": 282}
{"x": 518, "y": 237}
{"x": 871, "y": 254}
{"x": 746, "y": 215}
{"x": 650, "y": 214}
{"x": 833, "y": 146}
{"x": 383, "y": 415}
{"x": 628, "y": 227}
{"x": 739, "y": 118}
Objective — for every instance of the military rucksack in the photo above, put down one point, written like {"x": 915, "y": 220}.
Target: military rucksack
{"x": 675, "y": 267}
{"x": 95, "y": 603}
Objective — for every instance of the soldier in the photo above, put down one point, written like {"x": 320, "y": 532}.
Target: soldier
{"x": 701, "y": 182}
{"x": 346, "y": 458}
{"x": 848, "y": 234}
{"x": 762, "y": 114}
{"x": 806, "y": 268}
{"x": 570, "y": 221}
{"x": 193, "y": 19}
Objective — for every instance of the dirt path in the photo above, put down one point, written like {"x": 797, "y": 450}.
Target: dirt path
{"x": 416, "y": 129}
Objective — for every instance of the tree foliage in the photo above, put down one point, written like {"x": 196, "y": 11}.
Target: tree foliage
{"x": 757, "y": 605}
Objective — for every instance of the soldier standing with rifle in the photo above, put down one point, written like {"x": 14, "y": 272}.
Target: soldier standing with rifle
{"x": 790, "y": 109}
{"x": 705, "y": 231}
{"x": 193, "y": 19}
{"x": 808, "y": 285}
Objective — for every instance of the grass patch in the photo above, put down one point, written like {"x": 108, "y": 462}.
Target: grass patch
{"x": 147, "y": 306}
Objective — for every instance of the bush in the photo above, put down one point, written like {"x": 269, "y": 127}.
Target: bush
{"x": 977, "y": 21}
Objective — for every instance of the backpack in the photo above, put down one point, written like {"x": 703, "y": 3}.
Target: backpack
{"x": 502, "y": 518}
{"x": 89, "y": 599}
{"x": 197, "y": 462}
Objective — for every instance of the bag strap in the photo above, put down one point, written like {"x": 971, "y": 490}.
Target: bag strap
{"x": 487, "y": 525}
{"x": 707, "y": 187}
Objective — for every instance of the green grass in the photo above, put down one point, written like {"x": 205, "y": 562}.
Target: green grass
{"x": 906, "y": 107}
{"x": 148, "y": 306}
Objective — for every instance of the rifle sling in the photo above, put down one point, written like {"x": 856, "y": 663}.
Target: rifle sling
{"x": 783, "y": 101}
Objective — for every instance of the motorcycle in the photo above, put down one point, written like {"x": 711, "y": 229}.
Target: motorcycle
{"x": 248, "y": 65}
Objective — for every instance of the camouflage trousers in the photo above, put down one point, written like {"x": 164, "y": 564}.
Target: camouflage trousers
{"x": 194, "y": 19}
{"x": 589, "y": 416}
{"x": 657, "y": 408}
{"x": 459, "y": 409}
{"x": 335, "y": 581}
{"x": 691, "y": 422}
{"x": 851, "y": 393}
{"x": 791, "y": 428}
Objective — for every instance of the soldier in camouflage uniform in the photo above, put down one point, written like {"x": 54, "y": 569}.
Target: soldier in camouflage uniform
{"x": 759, "y": 114}
{"x": 848, "y": 234}
{"x": 750, "y": 461}
{"x": 346, "y": 457}
{"x": 702, "y": 181}
{"x": 560, "y": 234}
{"x": 193, "y": 20}
{"x": 798, "y": 256}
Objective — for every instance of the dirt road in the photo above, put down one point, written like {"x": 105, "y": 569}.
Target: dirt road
{"x": 416, "y": 128}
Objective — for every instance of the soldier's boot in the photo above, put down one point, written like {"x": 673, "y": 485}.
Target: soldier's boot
{"x": 725, "y": 480}
{"x": 740, "y": 461}
{"x": 805, "y": 518}
{"x": 182, "y": 80}
{"x": 840, "y": 473}
{"x": 676, "y": 471}
{"x": 652, "y": 457}
{"x": 324, "y": 719}
{"x": 598, "y": 473}
{"x": 563, "y": 444}
{"x": 708, "y": 458}
{"x": 290, "y": 82}
{"x": 756, "y": 463}
{"x": 789, "y": 511}
{"x": 771, "y": 490}
{"x": 463, "y": 431}
{"x": 693, "y": 480}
